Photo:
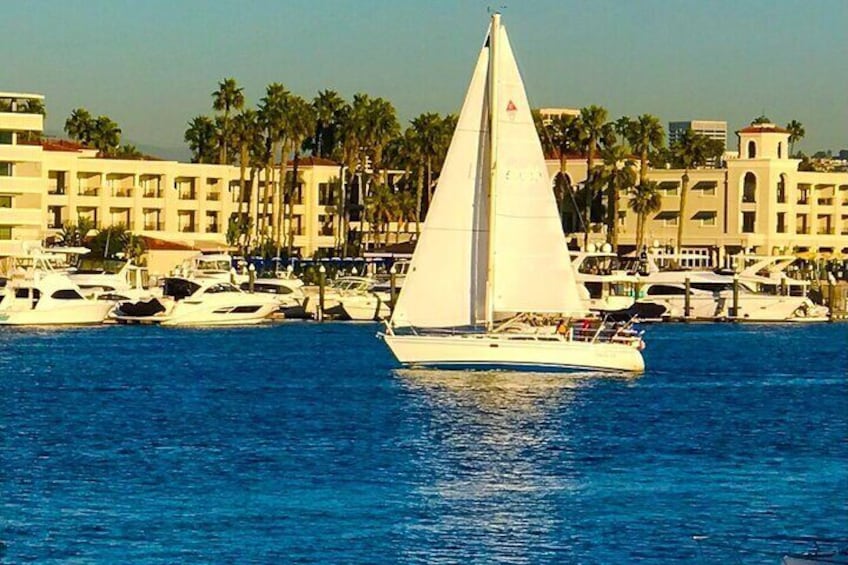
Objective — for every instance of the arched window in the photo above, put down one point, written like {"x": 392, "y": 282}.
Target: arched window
{"x": 780, "y": 150}
{"x": 749, "y": 188}
{"x": 781, "y": 189}
{"x": 752, "y": 150}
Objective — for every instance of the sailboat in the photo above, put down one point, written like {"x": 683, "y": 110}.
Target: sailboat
{"x": 491, "y": 270}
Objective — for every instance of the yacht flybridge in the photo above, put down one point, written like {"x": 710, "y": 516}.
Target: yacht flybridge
{"x": 466, "y": 300}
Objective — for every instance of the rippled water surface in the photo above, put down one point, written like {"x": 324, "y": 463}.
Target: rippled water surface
{"x": 303, "y": 443}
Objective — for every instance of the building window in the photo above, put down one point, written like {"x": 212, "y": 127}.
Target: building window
{"x": 748, "y": 221}
{"x": 5, "y": 169}
{"x": 801, "y": 226}
{"x": 803, "y": 194}
{"x": 780, "y": 150}
{"x": 669, "y": 187}
{"x": 5, "y": 137}
{"x": 326, "y": 224}
{"x": 752, "y": 150}
{"x": 749, "y": 188}
{"x": 5, "y": 232}
{"x": 667, "y": 217}
{"x": 781, "y": 222}
{"x": 5, "y": 201}
{"x": 326, "y": 194}
{"x": 706, "y": 217}
{"x": 212, "y": 225}
{"x": 781, "y": 190}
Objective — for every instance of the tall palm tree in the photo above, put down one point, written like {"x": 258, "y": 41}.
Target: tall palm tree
{"x": 272, "y": 116}
{"x": 80, "y": 125}
{"x": 228, "y": 97}
{"x": 327, "y": 106}
{"x": 644, "y": 201}
{"x": 300, "y": 124}
{"x": 593, "y": 120}
{"x": 105, "y": 135}
{"x": 618, "y": 173}
{"x": 796, "y": 133}
{"x": 381, "y": 206}
{"x": 691, "y": 150}
{"x": 245, "y": 131}
{"x": 200, "y": 137}
{"x": 562, "y": 137}
{"x": 645, "y": 135}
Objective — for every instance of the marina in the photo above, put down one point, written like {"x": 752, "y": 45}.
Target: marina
{"x": 304, "y": 442}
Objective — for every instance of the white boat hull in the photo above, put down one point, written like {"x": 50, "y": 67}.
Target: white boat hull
{"x": 514, "y": 350}
{"x": 90, "y": 312}
{"x": 366, "y": 307}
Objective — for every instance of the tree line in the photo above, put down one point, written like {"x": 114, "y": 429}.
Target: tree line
{"x": 365, "y": 137}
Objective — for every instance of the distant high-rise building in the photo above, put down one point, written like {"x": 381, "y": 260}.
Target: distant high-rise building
{"x": 710, "y": 128}
{"x": 549, "y": 114}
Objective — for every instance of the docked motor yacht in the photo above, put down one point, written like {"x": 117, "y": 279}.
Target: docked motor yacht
{"x": 286, "y": 290}
{"x": 198, "y": 302}
{"x": 36, "y": 294}
{"x": 760, "y": 299}
{"x": 604, "y": 284}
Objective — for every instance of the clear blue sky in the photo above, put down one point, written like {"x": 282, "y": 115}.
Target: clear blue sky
{"x": 151, "y": 65}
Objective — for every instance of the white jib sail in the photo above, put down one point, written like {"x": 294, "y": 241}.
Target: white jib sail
{"x": 532, "y": 269}
{"x": 445, "y": 285}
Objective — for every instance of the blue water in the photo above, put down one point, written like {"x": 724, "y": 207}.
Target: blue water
{"x": 302, "y": 443}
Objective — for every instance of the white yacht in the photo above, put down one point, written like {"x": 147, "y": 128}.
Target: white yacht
{"x": 286, "y": 290}
{"x": 760, "y": 298}
{"x": 605, "y": 284}
{"x": 36, "y": 294}
{"x": 198, "y": 302}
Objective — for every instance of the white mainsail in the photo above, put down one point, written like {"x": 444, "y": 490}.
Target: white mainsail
{"x": 446, "y": 282}
{"x": 531, "y": 272}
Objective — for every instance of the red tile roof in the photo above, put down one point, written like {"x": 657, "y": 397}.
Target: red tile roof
{"x": 152, "y": 243}
{"x": 763, "y": 128}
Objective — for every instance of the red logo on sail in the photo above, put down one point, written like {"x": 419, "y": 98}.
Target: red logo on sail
{"x": 511, "y": 107}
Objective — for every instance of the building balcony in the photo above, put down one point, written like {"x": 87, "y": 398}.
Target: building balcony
{"x": 213, "y": 196}
{"x": 802, "y": 230}
{"x": 57, "y": 190}
{"x": 187, "y": 228}
{"x": 825, "y": 231}
{"x": 187, "y": 196}
{"x": 213, "y": 228}
{"x": 18, "y": 121}
{"x": 153, "y": 226}
{"x": 825, "y": 201}
{"x": 122, "y": 192}
{"x": 88, "y": 191}
{"x": 803, "y": 201}
{"x": 20, "y": 153}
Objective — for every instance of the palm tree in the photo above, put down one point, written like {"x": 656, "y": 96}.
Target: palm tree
{"x": 300, "y": 124}
{"x": 593, "y": 120}
{"x": 381, "y": 206}
{"x": 200, "y": 137}
{"x": 796, "y": 133}
{"x": 562, "y": 137}
{"x": 644, "y": 201}
{"x": 645, "y": 135}
{"x": 80, "y": 125}
{"x": 691, "y": 150}
{"x": 328, "y": 106}
{"x": 228, "y": 97}
{"x": 245, "y": 132}
{"x": 105, "y": 135}
{"x": 272, "y": 115}
{"x": 618, "y": 172}
{"x": 128, "y": 151}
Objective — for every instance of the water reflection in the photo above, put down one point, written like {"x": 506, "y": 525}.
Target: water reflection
{"x": 496, "y": 461}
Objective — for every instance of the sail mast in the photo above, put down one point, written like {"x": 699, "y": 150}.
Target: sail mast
{"x": 493, "y": 166}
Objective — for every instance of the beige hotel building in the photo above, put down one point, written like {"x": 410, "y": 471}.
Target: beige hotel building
{"x": 759, "y": 202}
{"x": 47, "y": 184}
